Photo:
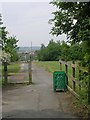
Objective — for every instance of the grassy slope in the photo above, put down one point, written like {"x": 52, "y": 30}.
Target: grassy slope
{"x": 13, "y": 68}
{"x": 50, "y": 66}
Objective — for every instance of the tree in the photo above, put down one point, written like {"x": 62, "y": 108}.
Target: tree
{"x": 49, "y": 53}
{"x": 41, "y": 54}
{"x": 73, "y": 19}
{"x": 3, "y": 37}
{"x": 9, "y": 44}
{"x": 53, "y": 51}
{"x": 11, "y": 48}
{"x": 76, "y": 52}
{"x": 64, "y": 51}
{"x": 3, "y": 34}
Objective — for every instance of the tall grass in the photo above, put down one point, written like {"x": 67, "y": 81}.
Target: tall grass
{"x": 12, "y": 69}
{"x": 50, "y": 66}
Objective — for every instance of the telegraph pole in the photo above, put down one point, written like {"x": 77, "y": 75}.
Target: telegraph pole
{"x": 30, "y": 66}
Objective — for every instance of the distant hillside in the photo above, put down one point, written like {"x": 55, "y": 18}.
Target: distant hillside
{"x": 28, "y": 49}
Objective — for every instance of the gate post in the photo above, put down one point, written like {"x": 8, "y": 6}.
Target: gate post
{"x": 30, "y": 70}
{"x": 66, "y": 70}
{"x": 60, "y": 66}
{"x": 5, "y": 73}
{"x": 73, "y": 74}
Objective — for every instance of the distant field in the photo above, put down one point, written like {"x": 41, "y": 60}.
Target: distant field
{"x": 50, "y": 66}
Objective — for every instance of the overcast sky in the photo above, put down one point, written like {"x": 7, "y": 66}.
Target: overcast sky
{"x": 28, "y": 21}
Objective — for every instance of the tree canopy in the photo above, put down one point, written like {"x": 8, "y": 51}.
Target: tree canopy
{"x": 73, "y": 19}
{"x": 61, "y": 50}
{"x": 9, "y": 44}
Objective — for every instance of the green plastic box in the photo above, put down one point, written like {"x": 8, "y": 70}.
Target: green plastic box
{"x": 59, "y": 81}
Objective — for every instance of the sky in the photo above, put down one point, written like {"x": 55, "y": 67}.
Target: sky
{"x": 28, "y": 21}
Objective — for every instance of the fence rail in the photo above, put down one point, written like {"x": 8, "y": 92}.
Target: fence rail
{"x": 75, "y": 80}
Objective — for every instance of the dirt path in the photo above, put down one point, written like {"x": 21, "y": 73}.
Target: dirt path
{"x": 37, "y": 100}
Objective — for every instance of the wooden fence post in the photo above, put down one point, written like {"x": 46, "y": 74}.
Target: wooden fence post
{"x": 5, "y": 73}
{"x": 66, "y": 70}
{"x": 30, "y": 70}
{"x": 73, "y": 74}
{"x": 79, "y": 80}
{"x": 60, "y": 66}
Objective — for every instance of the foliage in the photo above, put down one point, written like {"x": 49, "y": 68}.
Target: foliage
{"x": 9, "y": 44}
{"x": 4, "y": 56}
{"x": 73, "y": 19}
{"x": 53, "y": 51}
{"x": 11, "y": 48}
{"x": 64, "y": 51}
{"x": 3, "y": 37}
{"x": 49, "y": 53}
{"x": 60, "y": 50}
{"x": 76, "y": 52}
{"x": 42, "y": 53}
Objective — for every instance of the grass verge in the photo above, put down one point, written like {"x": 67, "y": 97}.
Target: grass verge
{"x": 50, "y": 66}
{"x": 12, "y": 69}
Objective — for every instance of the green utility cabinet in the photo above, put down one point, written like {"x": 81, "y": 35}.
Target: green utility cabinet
{"x": 59, "y": 80}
